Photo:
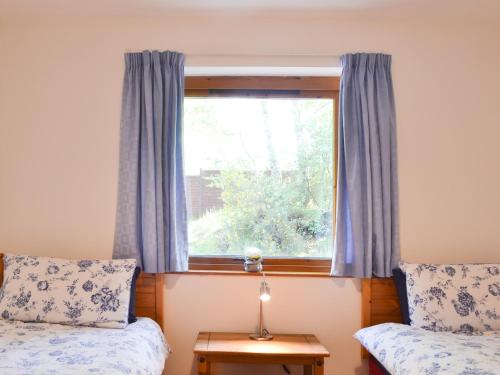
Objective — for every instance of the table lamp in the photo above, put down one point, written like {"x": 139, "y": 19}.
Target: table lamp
{"x": 265, "y": 295}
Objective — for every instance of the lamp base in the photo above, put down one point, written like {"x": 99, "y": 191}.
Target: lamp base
{"x": 258, "y": 337}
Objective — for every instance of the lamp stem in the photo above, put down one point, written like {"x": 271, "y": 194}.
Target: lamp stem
{"x": 261, "y": 321}
{"x": 262, "y": 333}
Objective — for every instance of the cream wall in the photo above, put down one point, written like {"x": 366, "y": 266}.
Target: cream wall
{"x": 60, "y": 87}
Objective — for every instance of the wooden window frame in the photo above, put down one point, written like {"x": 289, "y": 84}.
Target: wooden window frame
{"x": 267, "y": 87}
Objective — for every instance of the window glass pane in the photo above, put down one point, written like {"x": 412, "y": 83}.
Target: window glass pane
{"x": 259, "y": 173}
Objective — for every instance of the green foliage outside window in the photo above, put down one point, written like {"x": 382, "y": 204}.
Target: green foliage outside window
{"x": 274, "y": 166}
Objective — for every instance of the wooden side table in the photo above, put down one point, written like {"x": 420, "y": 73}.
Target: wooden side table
{"x": 305, "y": 350}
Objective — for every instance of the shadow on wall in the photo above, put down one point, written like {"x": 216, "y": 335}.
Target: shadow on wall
{"x": 363, "y": 369}
{"x": 232, "y": 369}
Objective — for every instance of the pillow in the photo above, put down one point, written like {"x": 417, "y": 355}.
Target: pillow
{"x": 400, "y": 282}
{"x": 461, "y": 298}
{"x": 75, "y": 292}
{"x": 131, "y": 307}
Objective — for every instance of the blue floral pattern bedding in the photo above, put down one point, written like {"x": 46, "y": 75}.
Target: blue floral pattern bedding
{"x": 54, "y": 349}
{"x": 75, "y": 292}
{"x": 461, "y": 298}
{"x": 407, "y": 350}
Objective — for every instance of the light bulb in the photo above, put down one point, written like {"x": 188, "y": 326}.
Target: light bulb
{"x": 265, "y": 297}
{"x": 265, "y": 292}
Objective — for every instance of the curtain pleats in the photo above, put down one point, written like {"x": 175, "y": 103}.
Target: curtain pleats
{"x": 367, "y": 219}
{"x": 151, "y": 221}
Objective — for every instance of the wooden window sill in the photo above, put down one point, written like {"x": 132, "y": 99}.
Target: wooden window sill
{"x": 243, "y": 273}
{"x": 272, "y": 266}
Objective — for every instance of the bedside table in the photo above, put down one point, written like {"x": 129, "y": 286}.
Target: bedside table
{"x": 305, "y": 350}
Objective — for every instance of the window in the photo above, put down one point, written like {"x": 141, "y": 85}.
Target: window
{"x": 260, "y": 171}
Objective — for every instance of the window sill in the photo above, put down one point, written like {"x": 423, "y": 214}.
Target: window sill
{"x": 243, "y": 273}
{"x": 222, "y": 265}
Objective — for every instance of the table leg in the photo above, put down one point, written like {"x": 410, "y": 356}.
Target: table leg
{"x": 203, "y": 366}
{"x": 308, "y": 369}
{"x": 319, "y": 368}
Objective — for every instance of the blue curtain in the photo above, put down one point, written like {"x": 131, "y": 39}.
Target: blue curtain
{"x": 367, "y": 224}
{"x": 151, "y": 223}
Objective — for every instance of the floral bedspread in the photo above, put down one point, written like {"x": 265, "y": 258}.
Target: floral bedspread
{"x": 406, "y": 350}
{"x": 54, "y": 349}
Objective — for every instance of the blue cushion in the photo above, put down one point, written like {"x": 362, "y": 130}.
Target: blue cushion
{"x": 131, "y": 307}
{"x": 400, "y": 281}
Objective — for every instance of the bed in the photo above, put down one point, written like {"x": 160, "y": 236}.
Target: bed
{"x": 399, "y": 349}
{"x": 45, "y": 348}
{"x": 410, "y": 350}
